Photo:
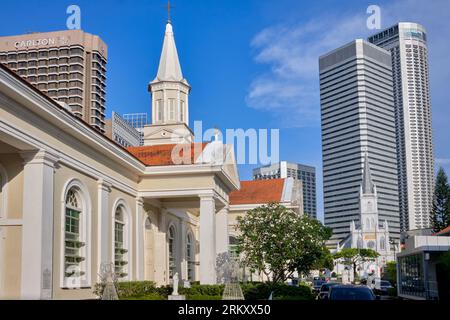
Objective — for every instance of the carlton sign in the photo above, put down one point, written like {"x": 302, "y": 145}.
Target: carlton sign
{"x": 40, "y": 42}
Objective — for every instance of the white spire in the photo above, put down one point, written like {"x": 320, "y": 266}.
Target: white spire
{"x": 367, "y": 186}
{"x": 169, "y": 65}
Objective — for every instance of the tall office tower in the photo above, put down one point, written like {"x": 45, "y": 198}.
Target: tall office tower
{"x": 357, "y": 110}
{"x": 407, "y": 43}
{"x": 69, "y": 66}
{"x": 137, "y": 121}
{"x": 306, "y": 174}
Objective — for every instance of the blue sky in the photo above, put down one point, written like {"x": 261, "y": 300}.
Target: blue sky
{"x": 251, "y": 64}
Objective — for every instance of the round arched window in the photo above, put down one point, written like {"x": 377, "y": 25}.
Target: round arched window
{"x": 73, "y": 244}
{"x": 190, "y": 256}
{"x": 120, "y": 246}
{"x": 171, "y": 238}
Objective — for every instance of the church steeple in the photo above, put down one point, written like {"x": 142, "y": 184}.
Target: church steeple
{"x": 367, "y": 186}
{"x": 169, "y": 65}
{"x": 170, "y": 97}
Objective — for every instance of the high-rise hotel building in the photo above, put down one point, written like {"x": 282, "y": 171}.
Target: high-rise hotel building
{"x": 69, "y": 66}
{"x": 407, "y": 43}
{"x": 357, "y": 114}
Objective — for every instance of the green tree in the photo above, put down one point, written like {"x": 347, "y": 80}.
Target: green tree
{"x": 440, "y": 214}
{"x": 355, "y": 257}
{"x": 277, "y": 241}
{"x": 390, "y": 272}
{"x": 326, "y": 261}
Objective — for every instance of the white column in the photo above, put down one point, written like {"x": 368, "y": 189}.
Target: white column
{"x": 140, "y": 257}
{"x": 222, "y": 230}
{"x": 207, "y": 240}
{"x": 104, "y": 225}
{"x": 37, "y": 230}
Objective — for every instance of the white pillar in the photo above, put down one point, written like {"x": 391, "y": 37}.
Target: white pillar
{"x": 222, "y": 230}
{"x": 104, "y": 224}
{"x": 140, "y": 257}
{"x": 37, "y": 230}
{"x": 207, "y": 240}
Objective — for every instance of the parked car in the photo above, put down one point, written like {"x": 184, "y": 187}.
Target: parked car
{"x": 317, "y": 284}
{"x": 351, "y": 292}
{"x": 383, "y": 288}
{"x": 325, "y": 290}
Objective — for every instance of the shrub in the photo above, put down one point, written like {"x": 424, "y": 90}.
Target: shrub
{"x": 147, "y": 290}
{"x": 130, "y": 289}
{"x": 392, "y": 292}
{"x": 262, "y": 291}
{"x": 203, "y": 290}
{"x": 203, "y": 297}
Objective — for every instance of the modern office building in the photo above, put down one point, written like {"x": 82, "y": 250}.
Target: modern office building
{"x": 137, "y": 121}
{"x": 306, "y": 174}
{"x": 357, "y": 113}
{"x": 69, "y": 66}
{"x": 120, "y": 131}
{"x": 407, "y": 43}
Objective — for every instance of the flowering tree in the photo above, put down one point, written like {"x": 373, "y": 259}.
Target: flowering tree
{"x": 354, "y": 257}
{"x": 278, "y": 242}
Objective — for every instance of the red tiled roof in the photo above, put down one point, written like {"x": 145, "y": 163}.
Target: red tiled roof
{"x": 258, "y": 191}
{"x": 161, "y": 155}
{"x": 446, "y": 230}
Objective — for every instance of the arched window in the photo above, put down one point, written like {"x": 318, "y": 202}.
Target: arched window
{"x": 171, "y": 238}
{"x": 190, "y": 256}
{"x": 74, "y": 255}
{"x": 120, "y": 243}
{"x": 367, "y": 224}
{"x": 382, "y": 243}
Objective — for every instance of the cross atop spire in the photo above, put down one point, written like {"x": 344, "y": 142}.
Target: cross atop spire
{"x": 169, "y": 7}
{"x": 368, "y": 186}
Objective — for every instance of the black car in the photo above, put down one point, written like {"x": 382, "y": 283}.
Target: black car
{"x": 325, "y": 289}
{"x": 351, "y": 292}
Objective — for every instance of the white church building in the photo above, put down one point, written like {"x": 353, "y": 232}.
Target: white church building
{"x": 72, "y": 200}
{"x": 368, "y": 232}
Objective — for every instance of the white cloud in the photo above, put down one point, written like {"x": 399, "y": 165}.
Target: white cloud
{"x": 290, "y": 83}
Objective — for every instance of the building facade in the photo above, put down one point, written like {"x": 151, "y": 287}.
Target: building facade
{"x": 120, "y": 131}
{"x": 368, "y": 232}
{"x": 256, "y": 193}
{"x": 306, "y": 174}
{"x": 407, "y": 43}
{"x": 69, "y": 66}
{"x": 421, "y": 270}
{"x": 72, "y": 200}
{"x": 357, "y": 113}
{"x": 137, "y": 121}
